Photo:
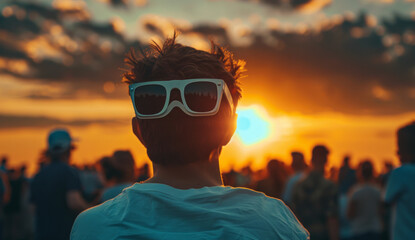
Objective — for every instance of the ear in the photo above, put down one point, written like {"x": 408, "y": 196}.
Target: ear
{"x": 231, "y": 129}
{"x": 137, "y": 131}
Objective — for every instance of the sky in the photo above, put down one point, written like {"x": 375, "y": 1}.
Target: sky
{"x": 335, "y": 72}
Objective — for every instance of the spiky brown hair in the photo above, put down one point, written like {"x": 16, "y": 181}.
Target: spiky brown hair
{"x": 173, "y": 61}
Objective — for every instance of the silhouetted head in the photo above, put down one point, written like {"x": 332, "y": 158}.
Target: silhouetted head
{"x": 365, "y": 170}
{"x": 346, "y": 161}
{"x": 179, "y": 138}
{"x": 406, "y": 143}
{"x": 119, "y": 168}
{"x": 319, "y": 156}
{"x": 298, "y": 163}
{"x": 4, "y": 161}
{"x": 60, "y": 145}
{"x": 274, "y": 167}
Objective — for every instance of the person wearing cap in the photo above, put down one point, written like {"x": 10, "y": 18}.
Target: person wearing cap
{"x": 56, "y": 190}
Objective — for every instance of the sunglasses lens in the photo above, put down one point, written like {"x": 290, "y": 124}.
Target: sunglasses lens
{"x": 150, "y": 99}
{"x": 201, "y": 96}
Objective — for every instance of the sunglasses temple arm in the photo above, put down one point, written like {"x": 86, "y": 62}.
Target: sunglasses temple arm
{"x": 229, "y": 97}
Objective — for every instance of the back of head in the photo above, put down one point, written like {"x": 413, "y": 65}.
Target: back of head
{"x": 4, "y": 161}
{"x": 59, "y": 144}
{"x": 298, "y": 163}
{"x": 346, "y": 161}
{"x": 275, "y": 168}
{"x": 178, "y": 138}
{"x": 319, "y": 156}
{"x": 406, "y": 143}
{"x": 365, "y": 170}
{"x": 119, "y": 168}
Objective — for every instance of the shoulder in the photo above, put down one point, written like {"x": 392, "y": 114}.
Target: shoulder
{"x": 90, "y": 223}
{"x": 354, "y": 190}
{"x": 402, "y": 174}
{"x": 404, "y": 170}
{"x": 274, "y": 215}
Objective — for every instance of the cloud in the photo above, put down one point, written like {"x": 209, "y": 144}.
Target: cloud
{"x": 332, "y": 70}
{"x": 19, "y": 121}
{"x": 299, "y": 5}
{"x": 126, "y": 3}
{"x": 62, "y": 48}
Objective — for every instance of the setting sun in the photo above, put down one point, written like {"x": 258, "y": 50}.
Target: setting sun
{"x": 253, "y": 125}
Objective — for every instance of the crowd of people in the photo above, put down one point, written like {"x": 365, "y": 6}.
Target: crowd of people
{"x": 345, "y": 201}
{"x": 26, "y": 213}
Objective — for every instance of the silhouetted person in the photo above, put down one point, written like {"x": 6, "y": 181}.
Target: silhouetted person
{"x": 388, "y": 167}
{"x": 400, "y": 189}
{"x": 4, "y": 197}
{"x": 56, "y": 190}
{"x": 3, "y": 165}
{"x": 314, "y": 199}
{"x": 299, "y": 167}
{"x": 185, "y": 102}
{"x": 364, "y": 210}
{"x": 14, "y": 206}
{"x": 347, "y": 176}
{"x": 274, "y": 183}
{"x": 118, "y": 173}
{"x": 91, "y": 184}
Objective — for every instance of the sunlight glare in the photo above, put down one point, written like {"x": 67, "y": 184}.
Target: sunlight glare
{"x": 252, "y": 125}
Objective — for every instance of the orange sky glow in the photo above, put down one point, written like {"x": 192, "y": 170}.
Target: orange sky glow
{"x": 338, "y": 73}
{"x": 361, "y": 136}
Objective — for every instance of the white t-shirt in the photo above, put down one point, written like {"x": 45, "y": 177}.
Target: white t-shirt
{"x": 367, "y": 198}
{"x": 400, "y": 191}
{"x": 158, "y": 211}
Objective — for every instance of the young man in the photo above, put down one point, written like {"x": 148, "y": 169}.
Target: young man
{"x": 185, "y": 102}
{"x": 400, "y": 189}
{"x": 56, "y": 190}
{"x": 315, "y": 201}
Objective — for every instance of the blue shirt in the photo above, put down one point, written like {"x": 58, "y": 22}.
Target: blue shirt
{"x": 400, "y": 191}
{"x": 158, "y": 211}
{"x": 49, "y": 188}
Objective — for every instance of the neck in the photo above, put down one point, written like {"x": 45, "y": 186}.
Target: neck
{"x": 198, "y": 174}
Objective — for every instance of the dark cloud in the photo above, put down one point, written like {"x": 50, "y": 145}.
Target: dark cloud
{"x": 87, "y": 55}
{"x": 217, "y": 32}
{"x": 38, "y": 96}
{"x": 118, "y": 3}
{"x": 127, "y": 3}
{"x": 345, "y": 67}
{"x": 19, "y": 121}
{"x": 297, "y": 4}
{"x": 103, "y": 30}
{"x": 16, "y": 26}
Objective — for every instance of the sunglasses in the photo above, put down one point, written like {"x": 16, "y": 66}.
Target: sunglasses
{"x": 195, "y": 97}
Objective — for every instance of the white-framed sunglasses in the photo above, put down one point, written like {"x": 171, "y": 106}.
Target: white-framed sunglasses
{"x": 199, "y": 97}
